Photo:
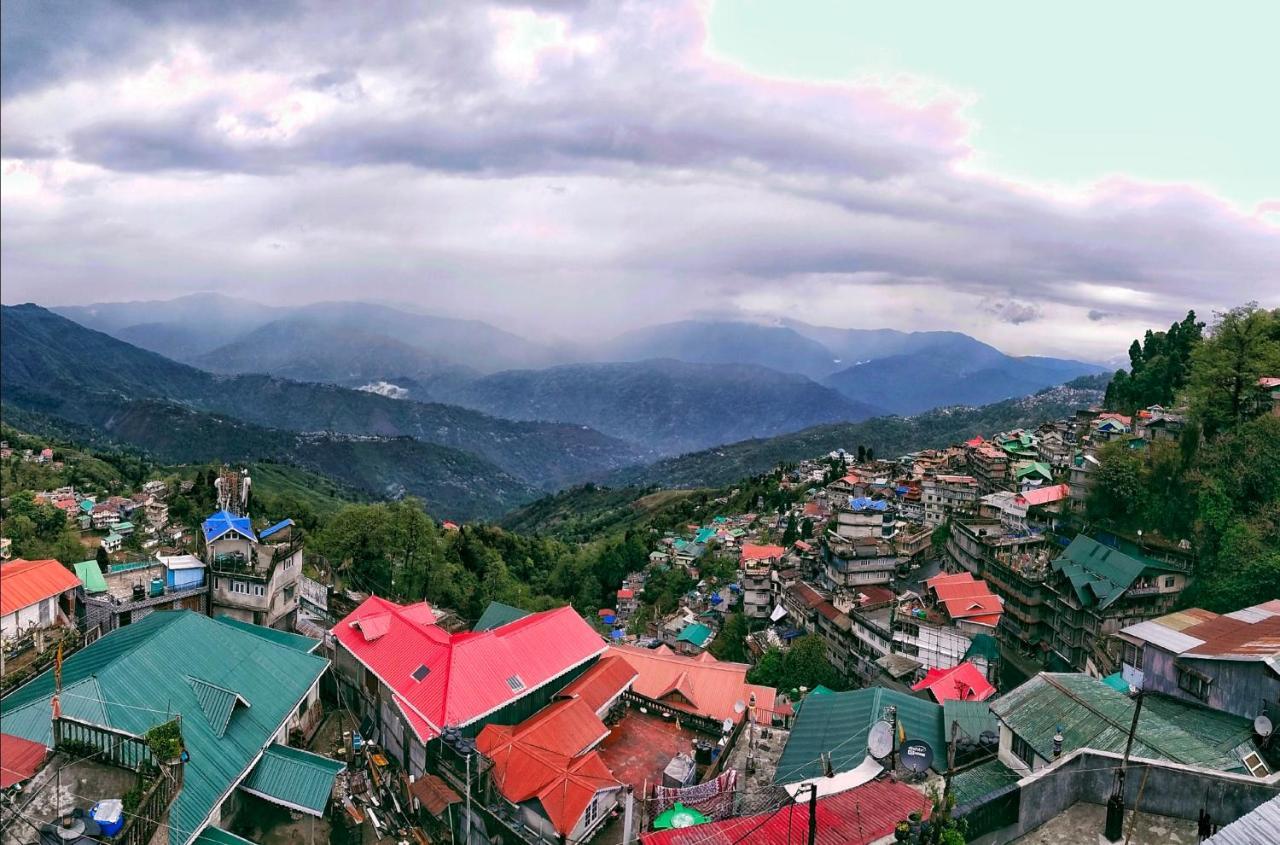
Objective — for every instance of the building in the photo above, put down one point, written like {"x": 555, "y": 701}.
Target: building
{"x": 757, "y": 591}
{"x": 1094, "y": 590}
{"x": 238, "y": 696}
{"x": 852, "y": 563}
{"x": 547, "y": 770}
{"x": 715, "y": 690}
{"x": 1080, "y": 478}
{"x": 962, "y": 682}
{"x": 411, "y": 678}
{"x": 973, "y": 543}
{"x": 128, "y": 592}
{"x": 989, "y": 464}
{"x": 35, "y": 594}
{"x": 1229, "y": 662}
{"x": 112, "y": 543}
{"x": 863, "y": 518}
{"x": 1056, "y": 714}
{"x": 948, "y": 496}
{"x": 252, "y": 576}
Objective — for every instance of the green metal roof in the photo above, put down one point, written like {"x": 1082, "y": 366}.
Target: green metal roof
{"x": 217, "y": 836}
{"x": 91, "y": 576}
{"x": 1117, "y": 682}
{"x": 135, "y": 677}
{"x": 695, "y": 633}
{"x": 294, "y": 778}
{"x": 215, "y": 702}
{"x": 839, "y": 723}
{"x": 497, "y": 614}
{"x": 1100, "y": 574}
{"x": 1093, "y": 715}
{"x": 1034, "y": 468}
{"x": 288, "y": 639}
{"x": 983, "y": 779}
{"x": 974, "y": 718}
{"x": 983, "y": 645}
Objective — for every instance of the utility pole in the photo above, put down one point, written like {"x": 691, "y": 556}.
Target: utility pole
{"x": 1114, "y": 829}
{"x": 813, "y": 814}
{"x": 951, "y": 759}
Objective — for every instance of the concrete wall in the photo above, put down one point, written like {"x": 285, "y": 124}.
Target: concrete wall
{"x": 1171, "y": 790}
{"x": 40, "y": 614}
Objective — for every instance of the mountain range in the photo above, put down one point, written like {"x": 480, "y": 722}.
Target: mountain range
{"x": 406, "y": 354}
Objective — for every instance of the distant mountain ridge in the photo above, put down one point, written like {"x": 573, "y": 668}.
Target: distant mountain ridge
{"x": 58, "y": 367}
{"x": 671, "y": 406}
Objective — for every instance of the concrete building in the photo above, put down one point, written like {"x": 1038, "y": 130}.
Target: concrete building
{"x": 252, "y": 576}
{"x": 948, "y": 496}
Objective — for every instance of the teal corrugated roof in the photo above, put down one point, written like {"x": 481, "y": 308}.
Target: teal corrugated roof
{"x": 215, "y": 702}
{"x": 1117, "y": 682}
{"x": 985, "y": 646}
{"x": 974, "y": 717}
{"x": 983, "y": 779}
{"x": 839, "y": 723}
{"x": 295, "y": 778}
{"x": 1093, "y": 715}
{"x": 91, "y": 576}
{"x": 695, "y": 633}
{"x": 137, "y": 675}
{"x": 217, "y": 836}
{"x": 497, "y": 614}
{"x": 284, "y": 638}
{"x": 1100, "y": 574}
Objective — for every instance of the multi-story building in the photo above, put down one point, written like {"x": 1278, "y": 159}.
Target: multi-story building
{"x": 863, "y": 518}
{"x": 253, "y": 577}
{"x": 1018, "y": 578}
{"x": 1227, "y": 662}
{"x": 948, "y": 496}
{"x": 913, "y": 541}
{"x": 989, "y": 464}
{"x": 1080, "y": 478}
{"x": 973, "y": 543}
{"x": 854, "y": 563}
{"x": 1095, "y": 590}
{"x": 757, "y": 591}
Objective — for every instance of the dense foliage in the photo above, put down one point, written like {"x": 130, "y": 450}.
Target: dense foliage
{"x": 804, "y": 664}
{"x": 1219, "y": 487}
{"x": 1158, "y": 367}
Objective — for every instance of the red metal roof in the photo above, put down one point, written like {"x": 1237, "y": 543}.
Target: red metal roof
{"x": 1046, "y": 495}
{"x": 19, "y": 759}
{"x": 962, "y": 682}
{"x": 568, "y": 727}
{"x": 25, "y": 582}
{"x": 856, "y": 817}
{"x": 601, "y": 683}
{"x": 528, "y": 762}
{"x": 467, "y": 675}
{"x": 626, "y": 593}
{"x": 1226, "y": 637}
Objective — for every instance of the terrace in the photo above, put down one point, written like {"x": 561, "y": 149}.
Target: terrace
{"x": 641, "y": 744}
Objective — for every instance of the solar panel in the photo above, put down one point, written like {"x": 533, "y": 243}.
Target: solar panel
{"x": 515, "y": 683}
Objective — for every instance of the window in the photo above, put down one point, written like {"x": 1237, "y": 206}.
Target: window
{"x": 1023, "y": 751}
{"x": 420, "y": 673}
{"x": 1169, "y": 581}
{"x": 593, "y": 810}
{"x": 259, "y": 590}
{"x": 1189, "y": 680}
{"x": 239, "y": 587}
{"x": 515, "y": 683}
{"x": 1133, "y": 655}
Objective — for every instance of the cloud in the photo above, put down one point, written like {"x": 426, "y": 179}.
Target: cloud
{"x": 560, "y": 167}
{"x": 1098, "y": 316}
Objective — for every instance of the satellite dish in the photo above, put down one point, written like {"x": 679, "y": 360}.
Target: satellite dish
{"x": 880, "y": 740}
{"x": 739, "y": 707}
{"x": 1262, "y": 726}
{"x": 917, "y": 755}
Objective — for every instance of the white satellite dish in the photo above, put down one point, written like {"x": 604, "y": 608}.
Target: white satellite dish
{"x": 740, "y": 707}
{"x": 880, "y": 740}
{"x": 1262, "y": 726}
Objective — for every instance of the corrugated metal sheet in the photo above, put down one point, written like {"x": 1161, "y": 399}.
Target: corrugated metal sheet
{"x": 19, "y": 759}
{"x": 215, "y": 702}
{"x": 136, "y": 676}
{"x": 856, "y": 817}
{"x": 91, "y": 576}
{"x": 295, "y": 778}
{"x": 1169, "y": 639}
{"x": 983, "y": 779}
{"x": 25, "y": 582}
{"x": 497, "y": 614}
{"x": 284, "y": 638}
{"x": 217, "y": 836}
{"x": 974, "y": 717}
{"x": 1093, "y": 715}
{"x": 1259, "y": 827}
{"x": 838, "y": 724}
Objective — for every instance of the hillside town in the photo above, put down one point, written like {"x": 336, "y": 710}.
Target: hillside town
{"x": 901, "y": 647}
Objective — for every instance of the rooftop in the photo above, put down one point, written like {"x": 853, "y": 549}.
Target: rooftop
{"x": 640, "y": 746}
{"x": 25, "y": 582}
{"x": 698, "y": 685}
{"x": 1100, "y": 574}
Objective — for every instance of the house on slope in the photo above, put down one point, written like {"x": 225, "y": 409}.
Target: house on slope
{"x": 411, "y": 679}
{"x": 253, "y": 576}
{"x": 35, "y": 594}
{"x": 236, "y": 695}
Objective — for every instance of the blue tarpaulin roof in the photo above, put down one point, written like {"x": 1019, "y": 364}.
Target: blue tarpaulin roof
{"x": 862, "y": 503}
{"x": 225, "y": 522}
{"x": 286, "y": 523}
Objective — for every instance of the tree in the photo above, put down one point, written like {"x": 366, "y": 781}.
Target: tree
{"x": 938, "y": 539}
{"x": 805, "y": 665}
{"x": 871, "y": 454}
{"x": 806, "y": 529}
{"x": 1118, "y": 484}
{"x": 731, "y": 641}
{"x": 790, "y": 534}
{"x": 862, "y": 453}
{"x": 1243, "y": 346}
{"x": 104, "y": 560}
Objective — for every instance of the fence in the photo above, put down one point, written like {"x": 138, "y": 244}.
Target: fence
{"x": 153, "y": 808}
{"x": 114, "y": 747}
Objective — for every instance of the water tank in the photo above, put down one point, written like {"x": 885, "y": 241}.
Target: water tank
{"x": 157, "y": 587}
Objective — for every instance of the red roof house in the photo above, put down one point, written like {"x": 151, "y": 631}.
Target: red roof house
{"x": 967, "y": 599}
{"x": 857, "y": 816}
{"x": 24, "y": 583}
{"x": 700, "y": 685}
{"x": 548, "y": 758}
{"x": 440, "y": 678}
{"x": 753, "y": 553}
{"x": 601, "y": 685}
{"x": 1044, "y": 495}
{"x": 962, "y": 682}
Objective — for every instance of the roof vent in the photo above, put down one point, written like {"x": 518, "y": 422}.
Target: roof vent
{"x": 421, "y": 672}
{"x": 515, "y": 683}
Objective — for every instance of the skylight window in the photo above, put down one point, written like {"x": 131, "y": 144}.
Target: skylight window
{"x": 421, "y": 672}
{"x": 515, "y": 683}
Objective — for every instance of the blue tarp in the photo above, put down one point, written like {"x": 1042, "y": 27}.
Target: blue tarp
{"x": 609, "y": 620}
{"x": 225, "y": 522}
{"x": 862, "y": 503}
{"x": 618, "y": 633}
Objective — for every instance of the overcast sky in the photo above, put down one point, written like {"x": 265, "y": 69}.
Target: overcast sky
{"x": 1049, "y": 185}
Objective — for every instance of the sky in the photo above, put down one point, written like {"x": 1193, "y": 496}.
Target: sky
{"x": 1053, "y": 180}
